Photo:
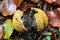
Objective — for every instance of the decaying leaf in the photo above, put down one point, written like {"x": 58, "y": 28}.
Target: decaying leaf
{"x": 50, "y": 1}
{"x": 17, "y": 21}
{"x": 24, "y": 6}
{"x": 7, "y": 7}
{"x": 55, "y": 23}
{"x": 17, "y": 2}
{"x": 8, "y": 29}
{"x": 54, "y": 17}
{"x": 58, "y": 2}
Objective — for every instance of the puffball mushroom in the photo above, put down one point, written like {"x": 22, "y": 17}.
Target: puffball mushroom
{"x": 26, "y": 22}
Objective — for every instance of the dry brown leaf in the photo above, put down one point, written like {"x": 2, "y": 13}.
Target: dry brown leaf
{"x": 50, "y": 1}
{"x": 55, "y": 23}
{"x": 58, "y": 2}
{"x": 54, "y": 17}
{"x": 24, "y": 6}
{"x": 17, "y": 2}
{"x": 7, "y": 7}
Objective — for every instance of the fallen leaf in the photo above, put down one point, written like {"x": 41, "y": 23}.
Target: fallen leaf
{"x": 54, "y": 17}
{"x": 24, "y": 6}
{"x": 58, "y": 2}
{"x": 17, "y": 2}
{"x": 55, "y": 23}
{"x": 7, "y": 7}
{"x": 8, "y": 29}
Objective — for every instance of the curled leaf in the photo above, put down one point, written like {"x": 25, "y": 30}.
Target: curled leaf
{"x": 8, "y": 29}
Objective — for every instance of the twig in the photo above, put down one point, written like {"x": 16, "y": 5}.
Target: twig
{"x": 43, "y": 33}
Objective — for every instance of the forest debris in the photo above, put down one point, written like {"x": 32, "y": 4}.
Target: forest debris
{"x": 17, "y": 2}
{"x": 24, "y": 6}
{"x": 54, "y": 17}
{"x": 7, "y": 7}
{"x": 50, "y": 1}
